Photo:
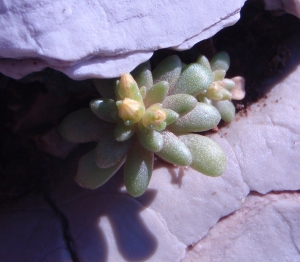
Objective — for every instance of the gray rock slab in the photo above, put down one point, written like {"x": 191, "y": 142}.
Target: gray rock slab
{"x": 88, "y": 39}
{"x": 265, "y": 228}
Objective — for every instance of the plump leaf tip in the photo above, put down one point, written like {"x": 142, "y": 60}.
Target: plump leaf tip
{"x": 159, "y": 113}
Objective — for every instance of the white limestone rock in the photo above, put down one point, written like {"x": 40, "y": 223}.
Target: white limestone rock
{"x": 266, "y": 228}
{"x": 87, "y": 39}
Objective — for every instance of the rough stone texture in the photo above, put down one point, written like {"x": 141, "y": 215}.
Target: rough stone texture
{"x": 289, "y": 6}
{"x": 87, "y": 39}
{"x": 266, "y": 228}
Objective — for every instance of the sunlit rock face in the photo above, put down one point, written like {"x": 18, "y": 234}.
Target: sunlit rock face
{"x": 265, "y": 228}
{"x": 93, "y": 38}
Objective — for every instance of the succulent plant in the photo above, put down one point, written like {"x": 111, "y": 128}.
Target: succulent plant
{"x": 159, "y": 112}
{"x": 222, "y": 90}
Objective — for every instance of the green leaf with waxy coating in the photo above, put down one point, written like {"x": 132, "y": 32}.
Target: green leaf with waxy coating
{"x": 152, "y": 140}
{"x": 106, "y": 109}
{"x": 109, "y": 151}
{"x": 202, "y": 118}
{"x": 83, "y": 126}
{"x": 143, "y": 91}
{"x": 90, "y": 176}
{"x": 174, "y": 150}
{"x": 106, "y": 87}
{"x": 202, "y": 60}
{"x": 226, "y": 109}
{"x": 123, "y": 132}
{"x": 168, "y": 70}
{"x": 220, "y": 61}
{"x": 142, "y": 75}
{"x": 208, "y": 157}
{"x": 171, "y": 116}
{"x": 180, "y": 103}
{"x": 138, "y": 170}
{"x": 157, "y": 93}
{"x": 202, "y": 98}
{"x": 193, "y": 80}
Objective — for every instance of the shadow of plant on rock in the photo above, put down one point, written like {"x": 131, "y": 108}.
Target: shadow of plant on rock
{"x": 108, "y": 219}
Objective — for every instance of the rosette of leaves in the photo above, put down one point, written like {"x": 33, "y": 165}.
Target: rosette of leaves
{"x": 222, "y": 90}
{"x": 142, "y": 114}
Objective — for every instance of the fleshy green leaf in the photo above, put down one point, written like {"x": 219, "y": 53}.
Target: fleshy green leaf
{"x": 123, "y": 132}
{"x": 226, "y": 109}
{"x": 90, "y": 176}
{"x": 202, "y": 98}
{"x": 208, "y": 157}
{"x": 168, "y": 70}
{"x": 171, "y": 116}
{"x": 142, "y": 75}
{"x": 82, "y": 126}
{"x": 157, "y": 93}
{"x": 202, "y": 118}
{"x": 143, "y": 91}
{"x": 109, "y": 151}
{"x": 180, "y": 103}
{"x": 220, "y": 61}
{"x": 106, "y": 109}
{"x": 202, "y": 60}
{"x": 174, "y": 150}
{"x": 152, "y": 140}
{"x": 138, "y": 170}
{"x": 106, "y": 87}
{"x": 193, "y": 80}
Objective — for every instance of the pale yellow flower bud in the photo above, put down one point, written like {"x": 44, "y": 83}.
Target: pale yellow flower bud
{"x": 217, "y": 92}
{"x": 154, "y": 116}
{"x": 131, "y": 111}
{"x": 128, "y": 88}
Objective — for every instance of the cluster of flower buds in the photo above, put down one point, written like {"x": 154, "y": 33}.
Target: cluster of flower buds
{"x": 159, "y": 112}
{"x": 222, "y": 90}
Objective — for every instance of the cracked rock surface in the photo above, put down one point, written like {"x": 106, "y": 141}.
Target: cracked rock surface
{"x": 265, "y": 228}
{"x": 86, "y": 39}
